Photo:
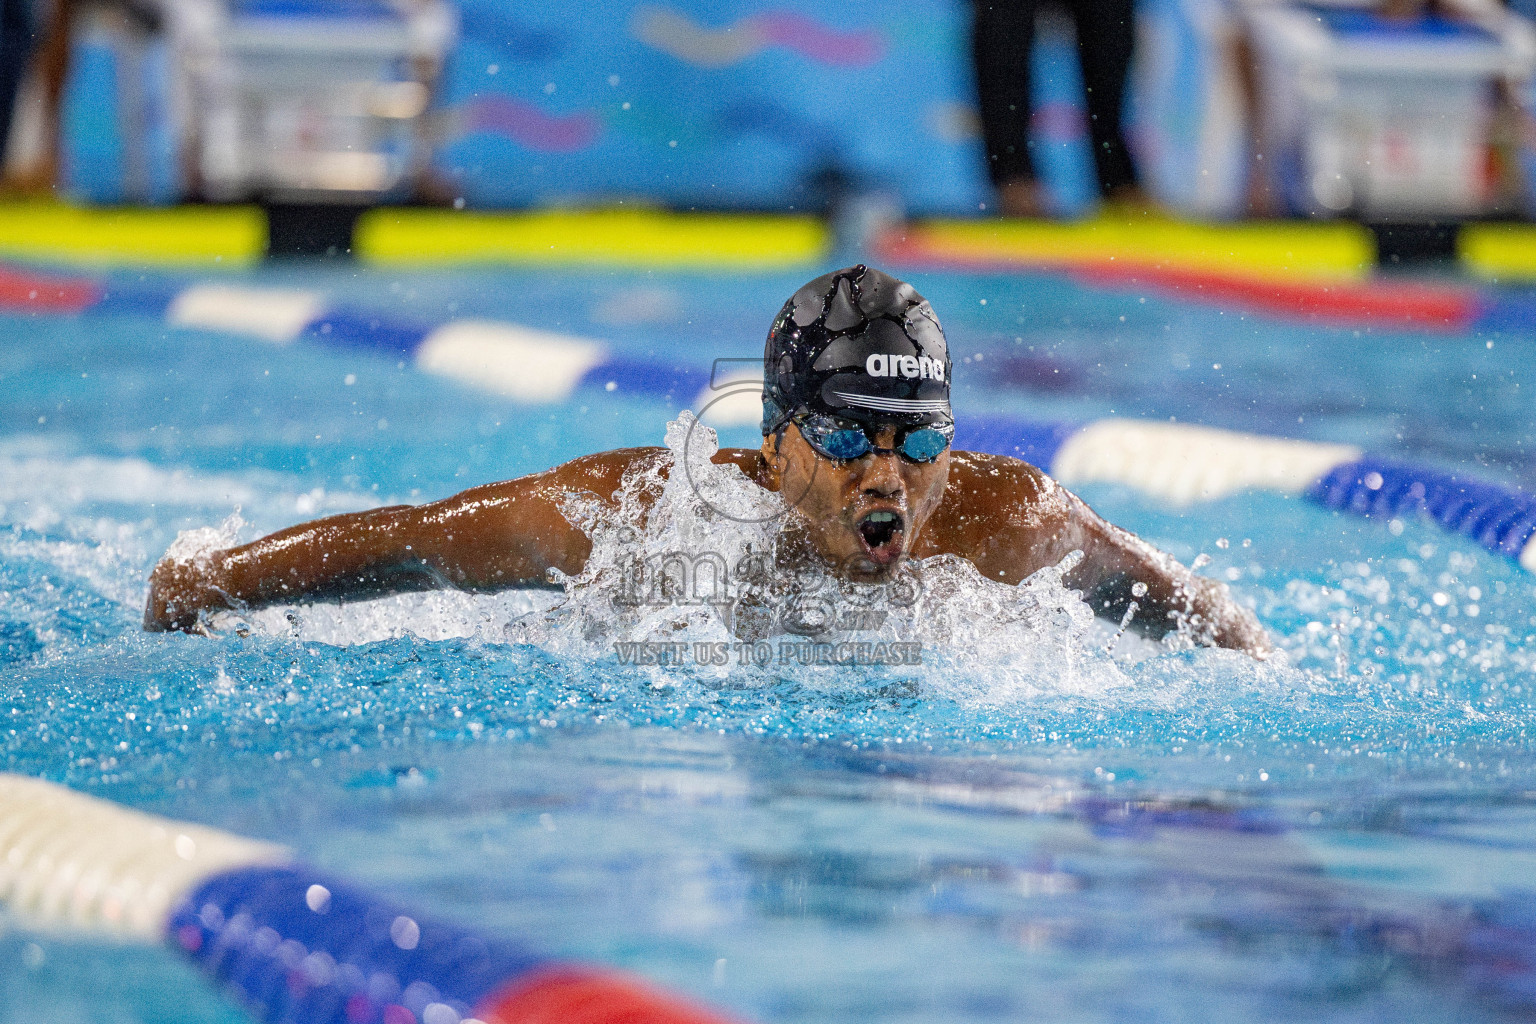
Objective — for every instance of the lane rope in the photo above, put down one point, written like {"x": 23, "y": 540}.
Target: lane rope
{"x": 1178, "y": 463}
{"x": 298, "y": 946}
{"x": 293, "y": 944}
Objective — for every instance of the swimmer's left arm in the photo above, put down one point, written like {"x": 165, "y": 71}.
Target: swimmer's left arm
{"x": 1015, "y": 520}
{"x": 1115, "y": 561}
{"x": 1114, "y": 564}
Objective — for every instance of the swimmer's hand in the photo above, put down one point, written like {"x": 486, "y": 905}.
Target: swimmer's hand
{"x": 180, "y": 594}
{"x": 1248, "y": 636}
{"x": 1222, "y": 622}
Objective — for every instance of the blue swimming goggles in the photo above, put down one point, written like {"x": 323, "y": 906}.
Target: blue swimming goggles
{"x": 843, "y": 441}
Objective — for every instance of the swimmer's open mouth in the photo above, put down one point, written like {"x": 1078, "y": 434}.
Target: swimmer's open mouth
{"x": 881, "y": 533}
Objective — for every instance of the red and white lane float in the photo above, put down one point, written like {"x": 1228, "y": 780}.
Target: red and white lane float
{"x": 295, "y": 945}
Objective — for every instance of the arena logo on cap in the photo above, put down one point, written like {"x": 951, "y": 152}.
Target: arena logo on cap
{"x": 893, "y": 365}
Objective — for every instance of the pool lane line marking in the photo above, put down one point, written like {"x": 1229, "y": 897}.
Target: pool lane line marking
{"x": 1340, "y": 302}
{"x": 1175, "y": 462}
{"x": 26, "y": 290}
{"x": 72, "y": 863}
{"x": 188, "y": 236}
{"x": 521, "y": 363}
{"x": 1184, "y": 464}
{"x": 1296, "y": 252}
{"x": 237, "y": 236}
{"x": 409, "y": 236}
{"x": 1438, "y": 309}
{"x": 272, "y": 314}
{"x": 1498, "y": 252}
{"x": 295, "y": 944}
{"x": 298, "y": 946}
{"x": 1497, "y": 518}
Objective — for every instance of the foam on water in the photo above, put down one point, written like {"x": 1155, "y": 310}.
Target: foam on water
{"x": 1371, "y": 634}
{"x": 81, "y": 515}
{"x": 693, "y": 555}
{"x": 688, "y": 557}
{"x": 40, "y": 483}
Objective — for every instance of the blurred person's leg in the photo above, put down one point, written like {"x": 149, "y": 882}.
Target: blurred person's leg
{"x": 1002, "y": 43}
{"x": 1266, "y": 117}
{"x": 15, "y": 54}
{"x": 1106, "y": 38}
{"x": 34, "y": 170}
{"x": 1262, "y": 195}
{"x": 54, "y": 57}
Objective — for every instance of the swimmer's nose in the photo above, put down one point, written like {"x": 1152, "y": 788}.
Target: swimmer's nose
{"x": 882, "y": 477}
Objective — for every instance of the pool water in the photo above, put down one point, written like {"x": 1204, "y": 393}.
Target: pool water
{"x": 1040, "y": 822}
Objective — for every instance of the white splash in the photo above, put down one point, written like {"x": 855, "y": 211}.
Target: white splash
{"x": 42, "y": 487}
{"x": 685, "y": 566}
{"x": 684, "y": 583}
{"x": 435, "y": 615}
{"x": 89, "y": 517}
{"x": 198, "y": 544}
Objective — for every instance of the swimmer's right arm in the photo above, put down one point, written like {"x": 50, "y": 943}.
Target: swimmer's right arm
{"x": 486, "y": 538}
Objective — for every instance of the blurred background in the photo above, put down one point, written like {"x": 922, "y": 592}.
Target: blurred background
{"x": 1400, "y": 112}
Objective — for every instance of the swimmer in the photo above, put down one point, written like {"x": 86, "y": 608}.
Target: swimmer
{"x": 856, "y": 436}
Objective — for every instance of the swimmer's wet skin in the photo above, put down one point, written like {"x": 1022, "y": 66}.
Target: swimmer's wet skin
{"x": 856, "y": 439}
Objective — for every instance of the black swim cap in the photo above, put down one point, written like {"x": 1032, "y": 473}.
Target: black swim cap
{"x": 860, "y": 345}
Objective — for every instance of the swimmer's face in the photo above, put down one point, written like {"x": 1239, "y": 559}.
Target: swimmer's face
{"x": 863, "y": 515}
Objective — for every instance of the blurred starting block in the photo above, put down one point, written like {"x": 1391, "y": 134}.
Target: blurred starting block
{"x": 1387, "y": 120}
{"x": 279, "y": 100}
{"x": 306, "y": 99}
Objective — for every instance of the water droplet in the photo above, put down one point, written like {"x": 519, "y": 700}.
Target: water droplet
{"x": 404, "y": 932}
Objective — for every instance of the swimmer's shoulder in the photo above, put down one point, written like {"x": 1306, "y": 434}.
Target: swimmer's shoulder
{"x": 620, "y": 460}
{"x": 604, "y": 473}
{"x": 996, "y": 491}
{"x": 998, "y": 480}
{"x": 1004, "y": 514}
{"x": 600, "y": 473}
{"x": 749, "y": 460}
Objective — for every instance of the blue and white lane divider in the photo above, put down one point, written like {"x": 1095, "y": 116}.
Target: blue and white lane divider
{"x": 1175, "y": 462}
{"x": 1182, "y": 464}
{"x": 521, "y": 363}
{"x": 296, "y": 945}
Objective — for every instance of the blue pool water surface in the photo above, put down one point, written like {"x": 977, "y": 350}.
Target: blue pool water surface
{"x": 1026, "y": 827}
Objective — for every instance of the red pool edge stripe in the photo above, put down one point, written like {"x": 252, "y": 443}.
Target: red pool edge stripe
{"x": 1441, "y": 309}
{"x": 21, "y": 289}
{"x": 576, "y": 995}
{"x": 1375, "y": 303}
